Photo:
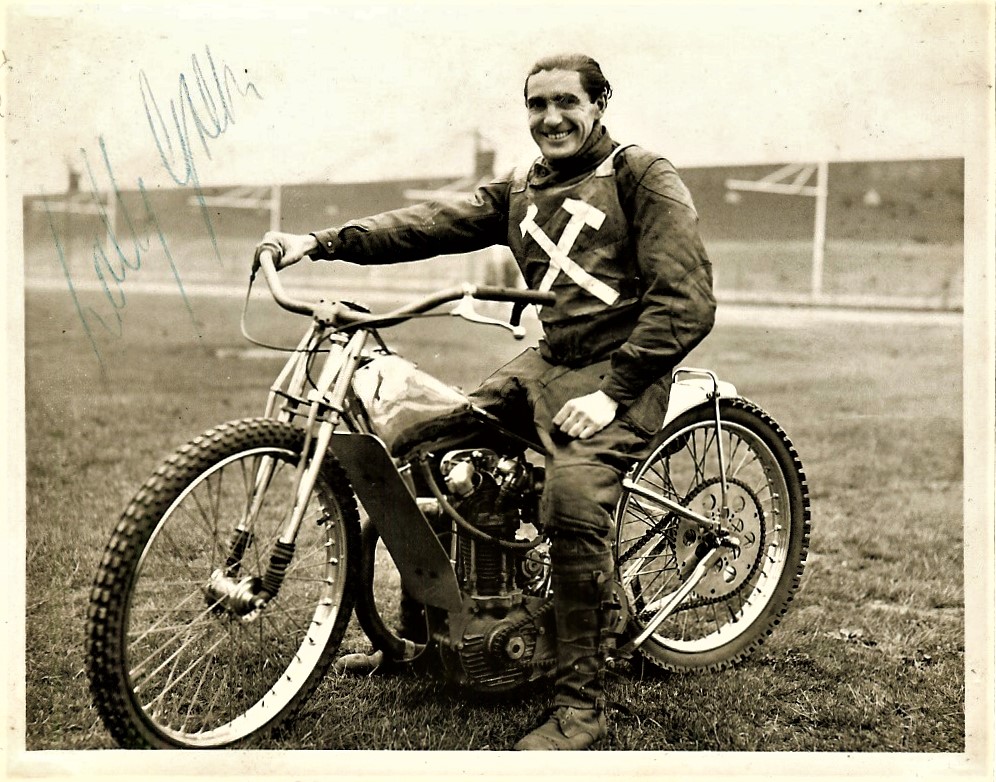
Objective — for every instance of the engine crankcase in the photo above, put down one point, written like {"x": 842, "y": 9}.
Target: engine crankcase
{"x": 500, "y": 646}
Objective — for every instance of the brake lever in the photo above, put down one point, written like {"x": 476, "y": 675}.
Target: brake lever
{"x": 465, "y": 309}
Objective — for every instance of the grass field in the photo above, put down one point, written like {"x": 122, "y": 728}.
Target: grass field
{"x": 903, "y": 272}
{"x": 869, "y": 659}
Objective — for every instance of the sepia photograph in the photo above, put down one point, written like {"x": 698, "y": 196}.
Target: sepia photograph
{"x": 394, "y": 382}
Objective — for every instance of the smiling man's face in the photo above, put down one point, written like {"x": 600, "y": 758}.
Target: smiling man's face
{"x": 561, "y": 115}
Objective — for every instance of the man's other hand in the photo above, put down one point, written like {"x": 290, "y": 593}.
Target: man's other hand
{"x": 583, "y": 416}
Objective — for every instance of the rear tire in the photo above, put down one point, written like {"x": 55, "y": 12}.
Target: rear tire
{"x": 177, "y": 659}
{"x": 742, "y": 599}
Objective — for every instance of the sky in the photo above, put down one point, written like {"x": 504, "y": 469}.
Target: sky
{"x": 347, "y": 92}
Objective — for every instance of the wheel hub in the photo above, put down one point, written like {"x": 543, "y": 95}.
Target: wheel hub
{"x": 236, "y": 597}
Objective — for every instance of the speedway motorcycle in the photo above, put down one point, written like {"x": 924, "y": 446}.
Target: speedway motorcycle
{"x": 226, "y": 589}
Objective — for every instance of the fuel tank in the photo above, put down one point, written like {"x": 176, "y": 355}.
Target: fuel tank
{"x": 401, "y": 399}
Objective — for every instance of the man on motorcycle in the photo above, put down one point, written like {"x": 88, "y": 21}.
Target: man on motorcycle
{"x": 612, "y": 231}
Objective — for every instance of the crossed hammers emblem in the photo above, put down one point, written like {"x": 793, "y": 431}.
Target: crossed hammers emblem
{"x": 582, "y": 214}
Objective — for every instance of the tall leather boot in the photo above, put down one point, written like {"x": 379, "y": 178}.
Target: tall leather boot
{"x": 583, "y": 605}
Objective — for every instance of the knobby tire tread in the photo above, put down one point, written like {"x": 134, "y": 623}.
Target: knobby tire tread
{"x": 115, "y": 576}
{"x": 790, "y": 579}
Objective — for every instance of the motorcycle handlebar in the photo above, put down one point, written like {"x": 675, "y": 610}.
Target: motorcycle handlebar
{"x": 514, "y": 295}
{"x": 342, "y": 316}
{"x": 265, "y": 253}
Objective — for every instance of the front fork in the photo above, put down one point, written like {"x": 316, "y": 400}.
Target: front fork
{"x": 716, "y": 534}
{"x": 328, "y": 398}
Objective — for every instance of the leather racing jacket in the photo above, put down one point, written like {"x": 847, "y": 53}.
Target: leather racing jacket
{"x": 614, "y": 233}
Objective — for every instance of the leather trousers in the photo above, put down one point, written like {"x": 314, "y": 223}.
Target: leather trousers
{"x": 581, "y": 490}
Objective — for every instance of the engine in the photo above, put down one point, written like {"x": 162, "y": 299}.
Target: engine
{"x": 499, "y": 496}
{"x": 503, "y": 567}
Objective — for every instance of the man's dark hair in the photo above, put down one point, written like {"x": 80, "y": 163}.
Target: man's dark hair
{"x": 593, "y": 81}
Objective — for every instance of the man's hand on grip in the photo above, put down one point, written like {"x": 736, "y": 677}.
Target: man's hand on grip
{"x": 293, "y": 247}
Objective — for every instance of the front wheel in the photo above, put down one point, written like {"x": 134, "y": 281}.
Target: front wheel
{"x": 742, "y": 598}
{"x": 179, "y": 653}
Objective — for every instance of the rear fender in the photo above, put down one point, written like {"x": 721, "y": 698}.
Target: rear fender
{"x": 693, "y": 387}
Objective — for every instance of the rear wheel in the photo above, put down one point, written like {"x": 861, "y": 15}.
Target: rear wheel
{"x": 743, "y": 597}
{"x": 179, "y": 655}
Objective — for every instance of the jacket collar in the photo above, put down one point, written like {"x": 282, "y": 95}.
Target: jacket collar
{"x": 596, "y": 148}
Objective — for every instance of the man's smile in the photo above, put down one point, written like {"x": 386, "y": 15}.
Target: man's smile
{"x": 561, "y": 114}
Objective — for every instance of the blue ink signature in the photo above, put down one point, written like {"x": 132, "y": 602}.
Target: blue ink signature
{"x": 117, "y": 265}
{"x": 112, "y": 268}
{"x": 209, "y": 122}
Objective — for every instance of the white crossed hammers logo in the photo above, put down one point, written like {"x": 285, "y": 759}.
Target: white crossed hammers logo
{"x": 582, "y": 214}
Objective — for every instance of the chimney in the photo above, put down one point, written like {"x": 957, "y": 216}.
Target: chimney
{"x": 484, "y": 157}
{"x": 73, "y": 186}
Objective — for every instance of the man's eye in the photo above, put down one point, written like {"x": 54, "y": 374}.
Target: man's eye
{"x": 567, "y": 101}
{"x": 536, "y": 105}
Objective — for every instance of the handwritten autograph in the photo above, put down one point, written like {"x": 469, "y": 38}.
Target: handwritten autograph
{"x": 210, "y": 120}
{"x": 105, "y": 266}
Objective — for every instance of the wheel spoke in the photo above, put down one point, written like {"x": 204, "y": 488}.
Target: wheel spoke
{"x": 197, "y": 620}
{"x": 216, "y": 694}
{"x": 180, "y": 556}
{"x": 199, "y": 507}
{"x": 187, "y": 629}
{"x": 299, "y": 628}
{"x": 215, "y": 516}
{"x": 148, "y": 678}
{"x": 301, "y": 560}
{"x": 194, "y": 699}
{"x": 172, "y": 683}
{"x": 265, "y": 544}
{"x": 187, "y": 646}
{"x": 749, "y": 501}
{"x": 660, "y": 590}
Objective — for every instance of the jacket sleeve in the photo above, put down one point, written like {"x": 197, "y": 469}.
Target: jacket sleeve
{"x": 421, "y": 231}
{"x": 678, "y": 305}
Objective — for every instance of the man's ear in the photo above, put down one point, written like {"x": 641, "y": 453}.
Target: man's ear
{"x": 601, "y": 103}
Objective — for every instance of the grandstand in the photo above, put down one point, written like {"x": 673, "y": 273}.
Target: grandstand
{"x": 893, "y": 231}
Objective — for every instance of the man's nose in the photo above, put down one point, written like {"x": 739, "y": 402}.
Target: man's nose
{"x": 552, "y": 116}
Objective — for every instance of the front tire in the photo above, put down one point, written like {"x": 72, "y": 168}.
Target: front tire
{"x": 177, "y": 658}
{"x": 742, "y": 599}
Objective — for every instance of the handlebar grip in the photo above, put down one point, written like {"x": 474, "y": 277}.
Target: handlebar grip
{"x": 265, "y": 258}
{"x": 272, "y": 250}
{"x": 517, "y": 295}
